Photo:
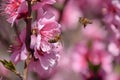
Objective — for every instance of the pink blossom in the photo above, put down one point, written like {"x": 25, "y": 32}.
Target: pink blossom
{"x": 15, "y": 9}
{"x": 44, "y": 63}
{"x": 113, "y": 48}
{"x": 79, "y": 63}
{"x": 19, "y": 51}
{"x": 47, "y": 28}
{"x": 95, "y": 53}
{"x": 70, "y": 21}
{"x": 42, "y": 3}
{"x": 90, "y": 7}
{"x": 111, "y": 11}
{"x": 3, "y": 70}
{"x": 48, "y": 1}
{"x": 112, "y": 76}
{"x": 46, "y": 54}
{"x": 51, "y": 9}
{"x": 94, "y": 31}
{"x": 64, "y": 71}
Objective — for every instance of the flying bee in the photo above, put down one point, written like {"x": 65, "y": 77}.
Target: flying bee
{"x": 84, "y": 21}
{"x": 55, "y": 39}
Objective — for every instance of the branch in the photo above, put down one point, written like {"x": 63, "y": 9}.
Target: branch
{"x": 28, "y": 26}
{"x": 18, "y": 74}
{"x": 10, "y": 66}
{"x": 61, "y": 9}
{"x": 27, "y": 39}
{"x": 27, "y": 61}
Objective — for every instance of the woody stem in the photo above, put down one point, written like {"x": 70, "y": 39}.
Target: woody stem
{"x": 28, "y": 21}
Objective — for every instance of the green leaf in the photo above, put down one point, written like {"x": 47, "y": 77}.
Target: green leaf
{"x": 8, "y": 64}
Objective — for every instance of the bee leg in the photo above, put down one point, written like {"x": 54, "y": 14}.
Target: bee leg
{"x": 84, "y": 25}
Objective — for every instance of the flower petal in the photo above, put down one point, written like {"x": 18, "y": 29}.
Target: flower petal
{"x": 48, "y": 60}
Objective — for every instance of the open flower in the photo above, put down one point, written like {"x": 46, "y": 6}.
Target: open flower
{"x": 46, "y": 53}
{"x": 47, "y": 28}
{"x": 15, "y": 9}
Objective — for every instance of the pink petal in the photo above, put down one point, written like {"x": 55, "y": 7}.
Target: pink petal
{"x": 12, "y": 19}
{"x": 38, "y": 42}
{"x": 23, "y": 35}
{"x": 48, "y": 60}
{"x": 37, "y": 6}
{"x": 24, "y": 53}
{"x": 22, "y": 8}
{"x": 45, "y": 46}
{"x": 36, "y": 67}
{"x": 49, "y": 1}
{"x": 15, "y": 57}
{"x": 33, "y": 41}
{"x": 49, "y": 26}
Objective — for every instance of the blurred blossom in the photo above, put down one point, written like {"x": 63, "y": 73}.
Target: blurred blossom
{"x": 96, "y": 55}
{"x": 53, "y": 11}
{"x": 64, "y": 71}
{"x": 111, "y": 16}
{"x": 70, "y": 16}
{"x": 111, "y": 11}
{"x": 91, "y": 52}
{"x": 113, "y": 49}
{"x": 112, "y": 76}
{"x": 79, "y": 63}
{"x": 3, "y": 71}
{"x": 94, "y": 31}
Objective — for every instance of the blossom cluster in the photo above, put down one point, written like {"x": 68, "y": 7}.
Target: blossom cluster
{"x": 44, "y": 30}
{"x": 89, "y": 29}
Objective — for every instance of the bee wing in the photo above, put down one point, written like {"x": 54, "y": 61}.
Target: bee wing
{"x": 90, "y": 22}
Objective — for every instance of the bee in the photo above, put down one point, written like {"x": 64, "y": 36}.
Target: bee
{"x": 55, "y": 39}
{"x": 84, "y": 21}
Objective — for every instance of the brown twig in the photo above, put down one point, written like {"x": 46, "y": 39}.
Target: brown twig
{"x": 27, "y": 39}
{"x": 28, "y": 26}
{"x": 62, "y": 10}
{"x": 18, "y": 74}
{"x": 27, "y": 61}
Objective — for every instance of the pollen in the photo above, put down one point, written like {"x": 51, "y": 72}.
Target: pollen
{"x": 34, "y": 31}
